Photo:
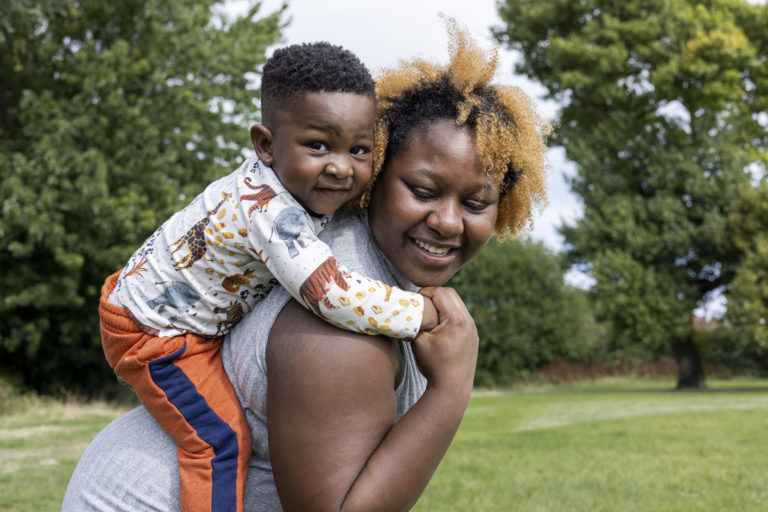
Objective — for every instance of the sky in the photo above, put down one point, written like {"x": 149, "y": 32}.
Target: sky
{"x": 382, "y": 33}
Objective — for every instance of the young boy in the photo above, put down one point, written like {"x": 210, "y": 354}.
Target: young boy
{"x": 163, "y": 316}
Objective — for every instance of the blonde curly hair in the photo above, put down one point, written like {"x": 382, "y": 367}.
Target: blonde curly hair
{"x": 509, "y": 134}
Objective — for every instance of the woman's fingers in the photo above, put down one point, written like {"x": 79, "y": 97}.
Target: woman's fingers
{"x": 447, "y": 354}
{"x": 449, "y": 306}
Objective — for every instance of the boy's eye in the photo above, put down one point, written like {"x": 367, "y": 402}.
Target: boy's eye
{"x": 318, "y": 146}
{"x": 359, "y": 150}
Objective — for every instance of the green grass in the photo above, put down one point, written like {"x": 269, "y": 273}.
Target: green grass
{"x": 41, "y": 441}
{"x": 613, "y": 445}
{"x": 616, "y": 445}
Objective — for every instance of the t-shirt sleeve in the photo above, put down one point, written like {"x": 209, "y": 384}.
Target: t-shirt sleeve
{"x": 282, "y": 236}
{"x": 358, "y": 303}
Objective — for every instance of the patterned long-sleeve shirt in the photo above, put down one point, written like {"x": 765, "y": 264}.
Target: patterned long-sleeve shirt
{"x": 206, "y": 266}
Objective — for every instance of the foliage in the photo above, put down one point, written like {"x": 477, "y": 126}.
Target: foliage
{"x": 526, "y": 315}
{"x": 731, "y": 350}
{"x": 661, "y": 112}
{"x": 748, "y": 294}
{"x": 114, "y": 115}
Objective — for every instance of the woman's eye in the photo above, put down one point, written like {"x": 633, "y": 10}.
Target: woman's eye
{"x": 318, "y": 146}
{"x": 359, "y": 150}
{"x": 475, "y": 206}
{"x": 422, "y": 194}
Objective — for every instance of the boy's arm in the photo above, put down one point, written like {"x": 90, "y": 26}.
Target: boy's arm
{"x": 283, "y": 237}
{"x": 358, "y": 303}
{"x": 430, "y": 319}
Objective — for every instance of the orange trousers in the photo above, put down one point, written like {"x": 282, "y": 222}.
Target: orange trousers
{"x": 182, "y": 383}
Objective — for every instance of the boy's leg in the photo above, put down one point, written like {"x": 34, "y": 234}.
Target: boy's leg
{"x": 208, "y": 424}
{"x": 182, "y": 383}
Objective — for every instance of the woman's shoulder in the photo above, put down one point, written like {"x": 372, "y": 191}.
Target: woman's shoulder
{"x": 303, "y": 344}
{"x": 329, "y": 359}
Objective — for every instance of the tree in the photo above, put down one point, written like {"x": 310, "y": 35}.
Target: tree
{"x": 748, "y": 294}
{"x": 115, "y": 114}
{"x": 526, "y": 315}
{"x": 661, "y": 103}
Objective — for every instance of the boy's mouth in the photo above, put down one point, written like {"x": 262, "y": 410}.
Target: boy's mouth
{"x": 334, "y": 186}
{"x": 334, "y": 189}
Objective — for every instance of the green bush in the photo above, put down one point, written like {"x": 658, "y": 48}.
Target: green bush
{"x": 729, "y": 347}
{"x": 115, "y": 114}
{"x": 526, "y": 315}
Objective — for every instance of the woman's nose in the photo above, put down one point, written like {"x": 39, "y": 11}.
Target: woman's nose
{"x": 446, "y": 218}
{"x": 339, "y": 167}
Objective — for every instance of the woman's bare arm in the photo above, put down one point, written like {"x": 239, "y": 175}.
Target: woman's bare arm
{"x": 334, "y": 443}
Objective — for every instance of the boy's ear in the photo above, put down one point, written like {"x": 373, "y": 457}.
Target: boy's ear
{"x": 261, "y": 138}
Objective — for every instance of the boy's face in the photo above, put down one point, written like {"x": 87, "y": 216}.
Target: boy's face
{"x": 321, "y": 148}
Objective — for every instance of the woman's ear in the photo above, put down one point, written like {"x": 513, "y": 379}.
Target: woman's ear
{"x": 261, "y": 138}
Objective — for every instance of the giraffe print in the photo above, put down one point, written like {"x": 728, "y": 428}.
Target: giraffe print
{"x": 194, "y": 239}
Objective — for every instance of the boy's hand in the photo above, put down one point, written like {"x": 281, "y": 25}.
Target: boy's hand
{"x": 430, "y": 318}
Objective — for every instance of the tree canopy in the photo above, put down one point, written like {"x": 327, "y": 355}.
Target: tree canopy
{"x": 526, "y": 315}
{"x": 748, "y": 294}
{"x": 115, "y": 114}
{"x": 663, "y": 107}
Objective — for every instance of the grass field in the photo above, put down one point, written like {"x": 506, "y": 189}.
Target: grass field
{"x": 613, "y": 445}
{"x": 40, "y": 443}
{"x": 617, "y": 445}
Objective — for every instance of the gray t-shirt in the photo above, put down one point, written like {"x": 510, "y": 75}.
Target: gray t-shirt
{"x": 131, "y": 465}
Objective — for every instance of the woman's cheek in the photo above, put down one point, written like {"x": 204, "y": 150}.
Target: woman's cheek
{"x": 483, "y": 229}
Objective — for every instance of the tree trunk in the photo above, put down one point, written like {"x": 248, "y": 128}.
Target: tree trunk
{"x": 690, "y": 370}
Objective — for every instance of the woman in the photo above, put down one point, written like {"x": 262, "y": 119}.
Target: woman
{"x": 352, "y": 424}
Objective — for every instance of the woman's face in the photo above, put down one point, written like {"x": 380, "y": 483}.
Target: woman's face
{"x": 433, "y": 208}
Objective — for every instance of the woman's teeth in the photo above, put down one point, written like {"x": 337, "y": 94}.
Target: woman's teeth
{"x": 438, "y": 251}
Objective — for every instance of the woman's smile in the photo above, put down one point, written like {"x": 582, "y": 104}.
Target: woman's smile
{"x": 433, "y": 208}
{"x": 432, "y": 249}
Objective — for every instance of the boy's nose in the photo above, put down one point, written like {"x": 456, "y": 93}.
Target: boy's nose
{"x": 339, "y": 167}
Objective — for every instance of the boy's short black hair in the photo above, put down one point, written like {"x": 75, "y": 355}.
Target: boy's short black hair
{"x": 311, "y": 67}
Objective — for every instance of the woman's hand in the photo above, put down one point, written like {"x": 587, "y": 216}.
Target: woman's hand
{"x": 447, "y": 354}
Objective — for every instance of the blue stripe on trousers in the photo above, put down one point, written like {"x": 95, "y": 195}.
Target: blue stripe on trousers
{"x": 209, "y": 427}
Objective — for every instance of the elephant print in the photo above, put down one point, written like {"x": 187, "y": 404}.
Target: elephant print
{"x": 179, "y": 296}
{"x": 294, "y": 228}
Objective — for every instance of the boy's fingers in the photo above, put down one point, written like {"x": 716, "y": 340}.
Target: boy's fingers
{"x": 428, "y": 291}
